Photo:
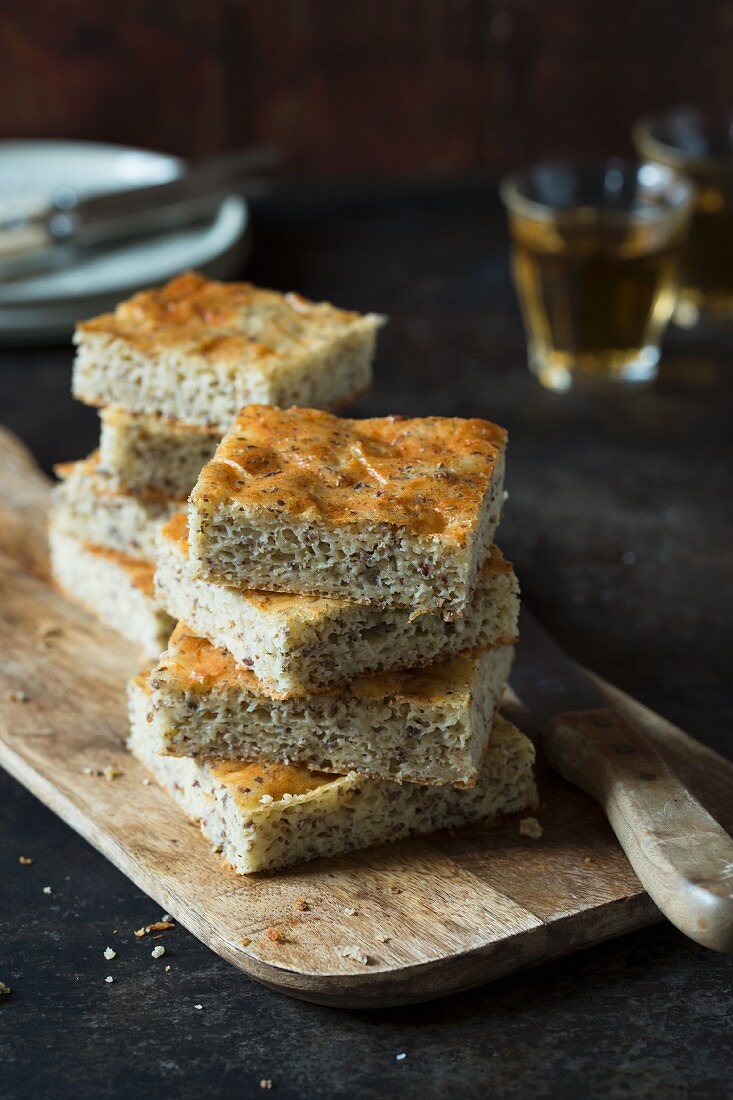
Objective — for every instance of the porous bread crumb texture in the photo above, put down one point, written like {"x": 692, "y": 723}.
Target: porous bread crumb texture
{"x": 332, "y": 815}
{"x": 87, "y": 508}
{"x": 391, "y": 511}
{"x": 116, "y": 589}
{"x": 427, "y": 726}
{"x": 199, "y": 350}
{"x": 296, "y": 643}
{"x": 140, "y": 453}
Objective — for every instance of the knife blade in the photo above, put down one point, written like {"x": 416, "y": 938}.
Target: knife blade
{"x": 681, "y": 854}
{"x": 36, "y": 238}
{"x": 546, "y": 680}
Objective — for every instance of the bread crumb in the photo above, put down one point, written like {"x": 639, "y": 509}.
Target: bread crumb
{"x": 245, "y": 941}
{"x": 384, "y": 939}
{"x": 350, "y": 911}
{"x": 17, "y": 696}
{"x": 110, "y": 773}
{"x": 355, "y": 952}
{"x": 109, "y": 954}
{"x": 400, "y": 1057}
{"x": 199, "y": 1007}
{"x": 5, "y": 990}
{"x": 266, "y": 799}
{"x": 158, "y": 951}
{"x": 145, "y": 782}
{"x": 167, "y": 968}
{"x": 587, "y": 859}
{"x": 156, "y": 926}
{"x": 302, "y": 905}
{"x": 395, "y": 890}
{"x": 530, "y": 827}
{"x": 25, "y": 861}
{"x": 47, "y": 890}
{"x": 265, "y": 1083}
{"x": 109, "y": 979}
{"x": 275, "y": 935}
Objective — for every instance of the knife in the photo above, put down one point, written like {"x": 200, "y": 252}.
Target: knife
{"x": 680, "y": 853}
{"x": 36, "y": 239}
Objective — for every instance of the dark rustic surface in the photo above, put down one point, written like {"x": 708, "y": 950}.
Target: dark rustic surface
{"x": 371, "y": 87}
{"x": 619, "y": 524}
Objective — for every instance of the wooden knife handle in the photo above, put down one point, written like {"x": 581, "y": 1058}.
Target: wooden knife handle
{"x": 683, "y": 857}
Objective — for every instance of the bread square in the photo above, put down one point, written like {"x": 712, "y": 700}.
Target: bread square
{"x": 88, "y": 508}
{"x": 115, "y": 588}
{"x": 198, "y": 350}
{"x": 421, "y": 726}
{"x": 391, "y": 511}
{"x": 262, "y": 816}
{"x": 140, "y": 453}
{"x": 294, "y": 644}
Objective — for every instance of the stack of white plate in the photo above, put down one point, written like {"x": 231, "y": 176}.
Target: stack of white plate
{"x": 44, "y": 308}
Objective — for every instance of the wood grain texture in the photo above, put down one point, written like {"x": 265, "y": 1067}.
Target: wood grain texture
{"x": 683, "y": 857}
{"x": 456, "y": 910}
{"x": 433, "y": 87}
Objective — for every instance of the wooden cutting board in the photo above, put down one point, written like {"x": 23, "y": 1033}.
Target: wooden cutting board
{"x": 434, "y": 916}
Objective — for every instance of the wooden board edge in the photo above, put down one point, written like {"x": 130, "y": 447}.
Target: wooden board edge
{"x": 365, "y": 989}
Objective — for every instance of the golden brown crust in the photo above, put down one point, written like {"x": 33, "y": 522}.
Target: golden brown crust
{"x": 234, "y": 322}
{"x": 428, "y": 475}
{"x": 249, "y": 783}
{"x": 201, "y": 667}
{"x": 140, "y": 573}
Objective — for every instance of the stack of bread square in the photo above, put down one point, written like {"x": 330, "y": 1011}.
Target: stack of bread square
{"x": 345, "y": 629}
{"x": 169, "y": 369}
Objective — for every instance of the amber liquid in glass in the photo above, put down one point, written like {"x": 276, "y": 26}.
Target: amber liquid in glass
{"x": 706, "y": 279}
{"x": 596, "y": 291}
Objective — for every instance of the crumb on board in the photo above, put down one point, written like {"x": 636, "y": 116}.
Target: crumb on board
{"x": 47, "y": 890}
{"x": 109, "y": 954}
{"x": 350, "y": 911}
{"x": 17, "y": 696}
{"x": 275, "y": 934}
{"x": 400, "y": 1057}
{"x": 245, "y": 941}
{"x": 384, "y": 939}
{"x": 158, "y": 952}
{"x": 266, "y": 1083}
{"x": 47, "y": 629}
{"x": 199, "y": 1007}
{"x": 167, "y": 968}
{"x": 5, "y": 990}
{"x": 109, "y": 979}
{"x": 25, "y": 861}
{"x": 395, "y": 889}
{"x": 145, "y": 782}
{"x": 302, "y": 905}
{"x": 110, "y": 773}
{"x": 355, "y": 952}
{"x": 587, "y": 859}
{"x": 530, "y": 827}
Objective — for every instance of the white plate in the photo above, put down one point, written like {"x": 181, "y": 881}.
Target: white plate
{"x": 44, "y": 308}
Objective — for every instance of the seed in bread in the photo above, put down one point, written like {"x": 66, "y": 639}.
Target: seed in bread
{"x": 295, "y": 643}
{"x": 263, "y": 816}
{"x": 390, "y": 511}
{"x": 198, "y": 350}
{"x": 88, "y": 508}
{"x": 423, "y": 726}
{"x": 115, "y": 588}
{"x": 139, "y": 453}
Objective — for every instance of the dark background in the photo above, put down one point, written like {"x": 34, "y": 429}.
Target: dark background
{"x": 618, "y": 521}
{"x": 377, "y": 88}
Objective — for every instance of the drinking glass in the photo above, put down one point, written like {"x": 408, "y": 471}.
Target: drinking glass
{"x": 700, "y": 146}
{"x": 595, "y": 257}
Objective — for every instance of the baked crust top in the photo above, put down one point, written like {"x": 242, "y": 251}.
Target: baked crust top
{"x": 198, "y": 666}
{"x": 427, "y": 476}
{"x": 235, "y": 323}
